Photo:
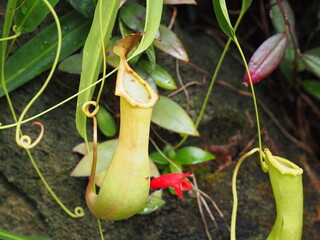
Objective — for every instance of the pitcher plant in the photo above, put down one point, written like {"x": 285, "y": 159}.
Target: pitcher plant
{"x": 125, "y": 186}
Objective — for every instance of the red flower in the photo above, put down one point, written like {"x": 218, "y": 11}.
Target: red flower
{"x": 175, "y": 180}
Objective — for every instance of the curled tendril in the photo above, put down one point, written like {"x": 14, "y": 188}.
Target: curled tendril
{"x": 78, "y": 212}
{"x": 16, "y": 29}
{"x": 26, "y": 142}
{"x": 87, "y": 112}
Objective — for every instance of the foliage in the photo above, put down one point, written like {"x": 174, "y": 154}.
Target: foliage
{"x": 5, "y": 235}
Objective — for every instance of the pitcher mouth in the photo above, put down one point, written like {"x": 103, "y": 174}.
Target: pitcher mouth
{"x": 130, "y": 85}
{"x": 283, "y": 165}
{"x": 133, "y": 88}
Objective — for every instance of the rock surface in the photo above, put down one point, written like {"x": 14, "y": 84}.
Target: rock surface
{"x": 27, "y": 208}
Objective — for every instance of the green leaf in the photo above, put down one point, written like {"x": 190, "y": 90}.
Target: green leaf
{"x": 169, "y": 151}
{"x": 106, "y": 122}
{"x": 38, "y": 54}
{"x": 85, "y": 7}
{"x": 153, "y": 18}
{"x": 175, "y": 168}
{"x": 105, "y": 152}
{"x": 168, "y": 114}
{"x": 133, "y": 15}
{"x": 192, "y": 155}
{"x": 176, "y": 2}
{"x": 31, "y": 14}
{"x": 71, "y": 64}
{"x": 92, "y": 55}
{"x": 170, "y": 44}
{"x": 82, "y": 148}
{"x": 160, "y": 76}
{"x": 5, "y": 235}
{"x": 124, "y": 30}
{"x": 301, "y": 66}
{"x": 245, "y": 6}
{"x": 312, "y": 87}
{"x": 158, "y": 158}
{"x": 151, "y": 56}
{"x": 221, "y": 11}
{"x": 155, "y": 199}
{"x": 314, "y": 51}
{"x": 112, "y": 59}
{"x": 277, "y": 17}
{"x": 312, "y": 63}
{"x": 152, "y": 204}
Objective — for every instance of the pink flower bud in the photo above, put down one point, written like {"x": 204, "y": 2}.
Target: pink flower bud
{"x": 266, "y": 58}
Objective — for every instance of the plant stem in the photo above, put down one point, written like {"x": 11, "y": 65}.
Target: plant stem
{"x": 234, "y": 192}
{"x": 206, "y": 99}
{"x": 8, "y": 21}
{"x": 288, "y": 25}
{"x": 24, "y": 112}
{"x": 78, "y": 211}
{"x": 263, "y": 164}
{"x": 215, "y": 74}
{"x": 100, "y": 229}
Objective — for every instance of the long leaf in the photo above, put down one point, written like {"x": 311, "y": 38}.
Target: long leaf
{"x": 5, "y": 235}
{"x": 312, "y": 63}
{"x": 277, "y": 17}
{"x": 192, "y": 155}
{"x": 105, "y": 153}
{"x": 171, "y": 44}
{"x": 312, "y": 87}
{"x": 176, "y": 2}
{"x": 92, "y": 55}
{"x": 38, "y": 54}
{"x": 85, "y": 7}
{"x": 159, "y": 75}
{"x": 153, "y": 18}
{"x": 133, "y": 15}
{"x": 221, "y": 11}
{"x": 31, "y": 14}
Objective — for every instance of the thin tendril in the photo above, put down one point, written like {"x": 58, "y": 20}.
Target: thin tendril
{"x": 234, "y": 192}
{"x": 18, "y": 139}
{"x": 10, "y": 38}
{"x": 263, "y": 164}
{"x": 59, "y": 104}
{"x": 215, "y": 74}
{"x": 78, "y": 211}
{"x": 3, "y": 46}
{"x": 164, "y": 156}
{"x": 26, "y": 141}
{"x": 91, "y": 114}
